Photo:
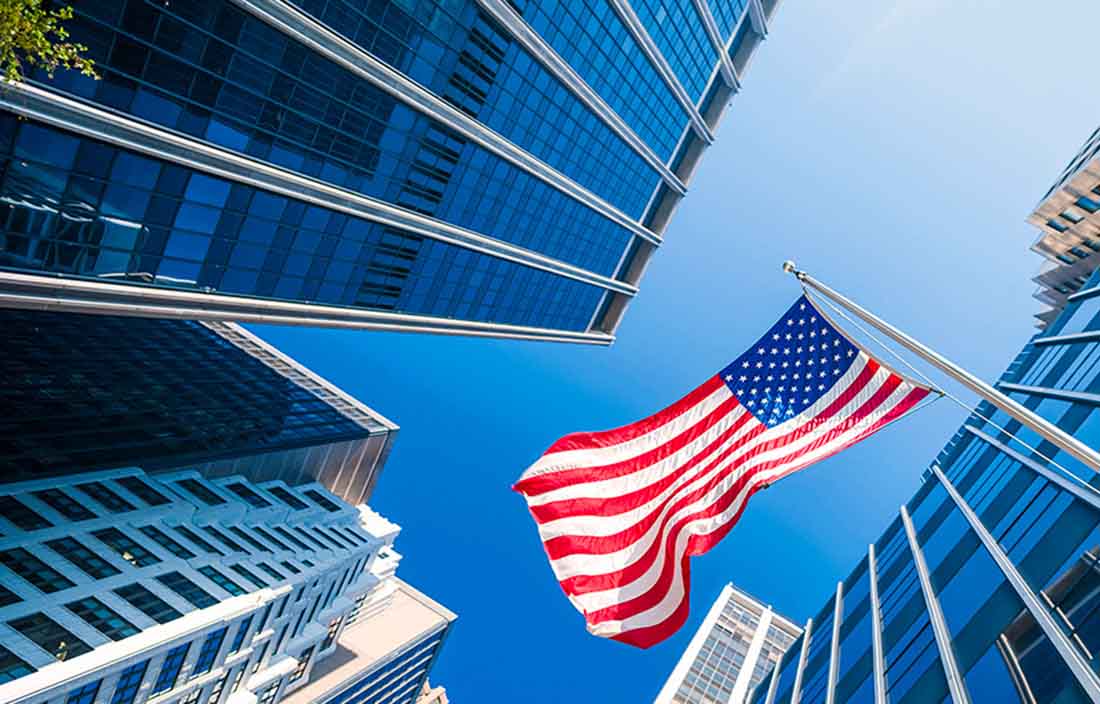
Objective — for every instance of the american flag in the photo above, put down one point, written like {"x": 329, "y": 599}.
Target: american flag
{"x": 620, "y": 512}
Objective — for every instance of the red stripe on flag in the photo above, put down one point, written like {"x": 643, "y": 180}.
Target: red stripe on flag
{"x": 542, "y": 483}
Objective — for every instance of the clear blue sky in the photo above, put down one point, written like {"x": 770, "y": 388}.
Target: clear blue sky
{"x": 892, "y": 149}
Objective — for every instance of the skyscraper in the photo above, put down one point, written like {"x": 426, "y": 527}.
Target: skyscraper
{"x": 476, "y": 167}
{"x": 387, "y": 659}
{"x": 1068, "y": 219}
{"x": 85, "y": 392}
{"x": 119, "y": 586}
{"x": 737, "y": 644}
{"x": 985, "y": 587}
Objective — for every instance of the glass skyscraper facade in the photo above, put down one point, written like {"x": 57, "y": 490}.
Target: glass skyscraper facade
{"x": 986, "y": 587}
{"x": 476, "y": 167}
{"x": 84, "y": 392}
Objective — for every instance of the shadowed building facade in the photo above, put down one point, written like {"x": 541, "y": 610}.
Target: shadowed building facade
{"x": 84, "y": 392}
{"x": 986, "y": 587}
{"x": 478, "y": 167}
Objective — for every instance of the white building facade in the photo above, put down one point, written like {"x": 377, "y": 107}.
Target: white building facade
{"x": 736, "y": 646}
{"x": 119, "y": 587}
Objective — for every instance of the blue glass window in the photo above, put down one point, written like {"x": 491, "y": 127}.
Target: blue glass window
{"x": 170, "y": 669}
{"x": 85, "y": 694}
{"x": 208, "y": 653}
{"x": 129, "y": 681}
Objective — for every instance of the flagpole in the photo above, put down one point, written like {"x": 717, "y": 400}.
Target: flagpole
{"x": 1040, "y": 425}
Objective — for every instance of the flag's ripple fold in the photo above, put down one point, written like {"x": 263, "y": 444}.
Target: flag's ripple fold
{"x": 620, "y": 512}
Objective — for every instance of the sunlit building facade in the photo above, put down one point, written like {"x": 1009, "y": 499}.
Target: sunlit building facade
{"x": 124, "y": 587}
{"x": 1068, "y": 220}
{"x": 479, "y": 167}
{"x": 735, "y": 647}
{"x": 84, "y": 392}
{"x": 986, "y": 586}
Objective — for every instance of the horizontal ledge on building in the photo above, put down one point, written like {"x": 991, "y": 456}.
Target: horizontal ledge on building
{"x": 1046, "y": 392}
{"x": 41, "y": 292}
{"x": 1069, "y": 339}
{"x": 91, "y": 121}
{"x": 295, "y": 23}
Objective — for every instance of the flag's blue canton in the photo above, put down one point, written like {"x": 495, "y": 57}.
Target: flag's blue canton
{"x": 791, "y": 366}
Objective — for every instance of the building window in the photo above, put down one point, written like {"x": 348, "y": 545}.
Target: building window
{"x": 303, "y": 663}
{"x": 240, "y": 533}
{"x": 201, "y": 492}
{"x": 271, "y": 571}
{"x": 224, "y": 539}
{"x": 143, "y": 491}
{"x": 221, "y": 580}
{"x": 148, "y": 603}
{"x": 197, "y": 540}
{"x": 1088, "y": 204}
{"x": 290, "y": 566}
{"x": 248, "y": 574}
{"x": 170, "y": 670}
{"x": 11, "y": 667}
{"x": 327, "y": 540}
{"x": 287, "y": 498}
{"x": 263, "y": 617}
{"x": 282, "y": 637}
{"x": 127, "y": 548}
{"x": 8, "y": 597}
{"x": 271, "y": 538}
{"x": 282, "y": 606}
{"x": 64, "y": 504}
{"x": 238, "y": 640}
{"x": 191, "y": 592}
{"x": 355, "y": 537}
{"x": 267, "y": 696}
{"x": 85, "y": 694}
{"x": 49, "y": 636}
{"x": 260, "y": 657}
{"x": 321, "y": 500}
{"x": 129, "y": 682}
{"x": 251, "y": 497}
{"x": 333, "y": 629}
{"x": 1071, "y": 216}
{"x": 101, "y": 618}
{"x": 209, "y": 651}
{"x": 216, "y": 691}
{"x": 1057, "y": 226}
{"x": 30, "y": 568}
{"x": 240, "y": 676}
{"x": 17, "y": 513}
{"x": 192, "y": 696}
{"x": 107, "y": 498}
{"x": 165, "y": 541}
{"x": 290, "y": 536}
{"x": 302, "y": 532}
{"x": 89, "y": 563}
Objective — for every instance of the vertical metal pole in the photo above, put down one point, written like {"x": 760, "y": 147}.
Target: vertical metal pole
{"x": 773, "y": 684}
{"x": 935, "y": 616}
{"x": 796, "y": 688}
{"x": 876, "y": 629}
{"x": 1072, "y": 657}
{"x": 834, "y": 650}
{"x": 1040, "y": 425}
